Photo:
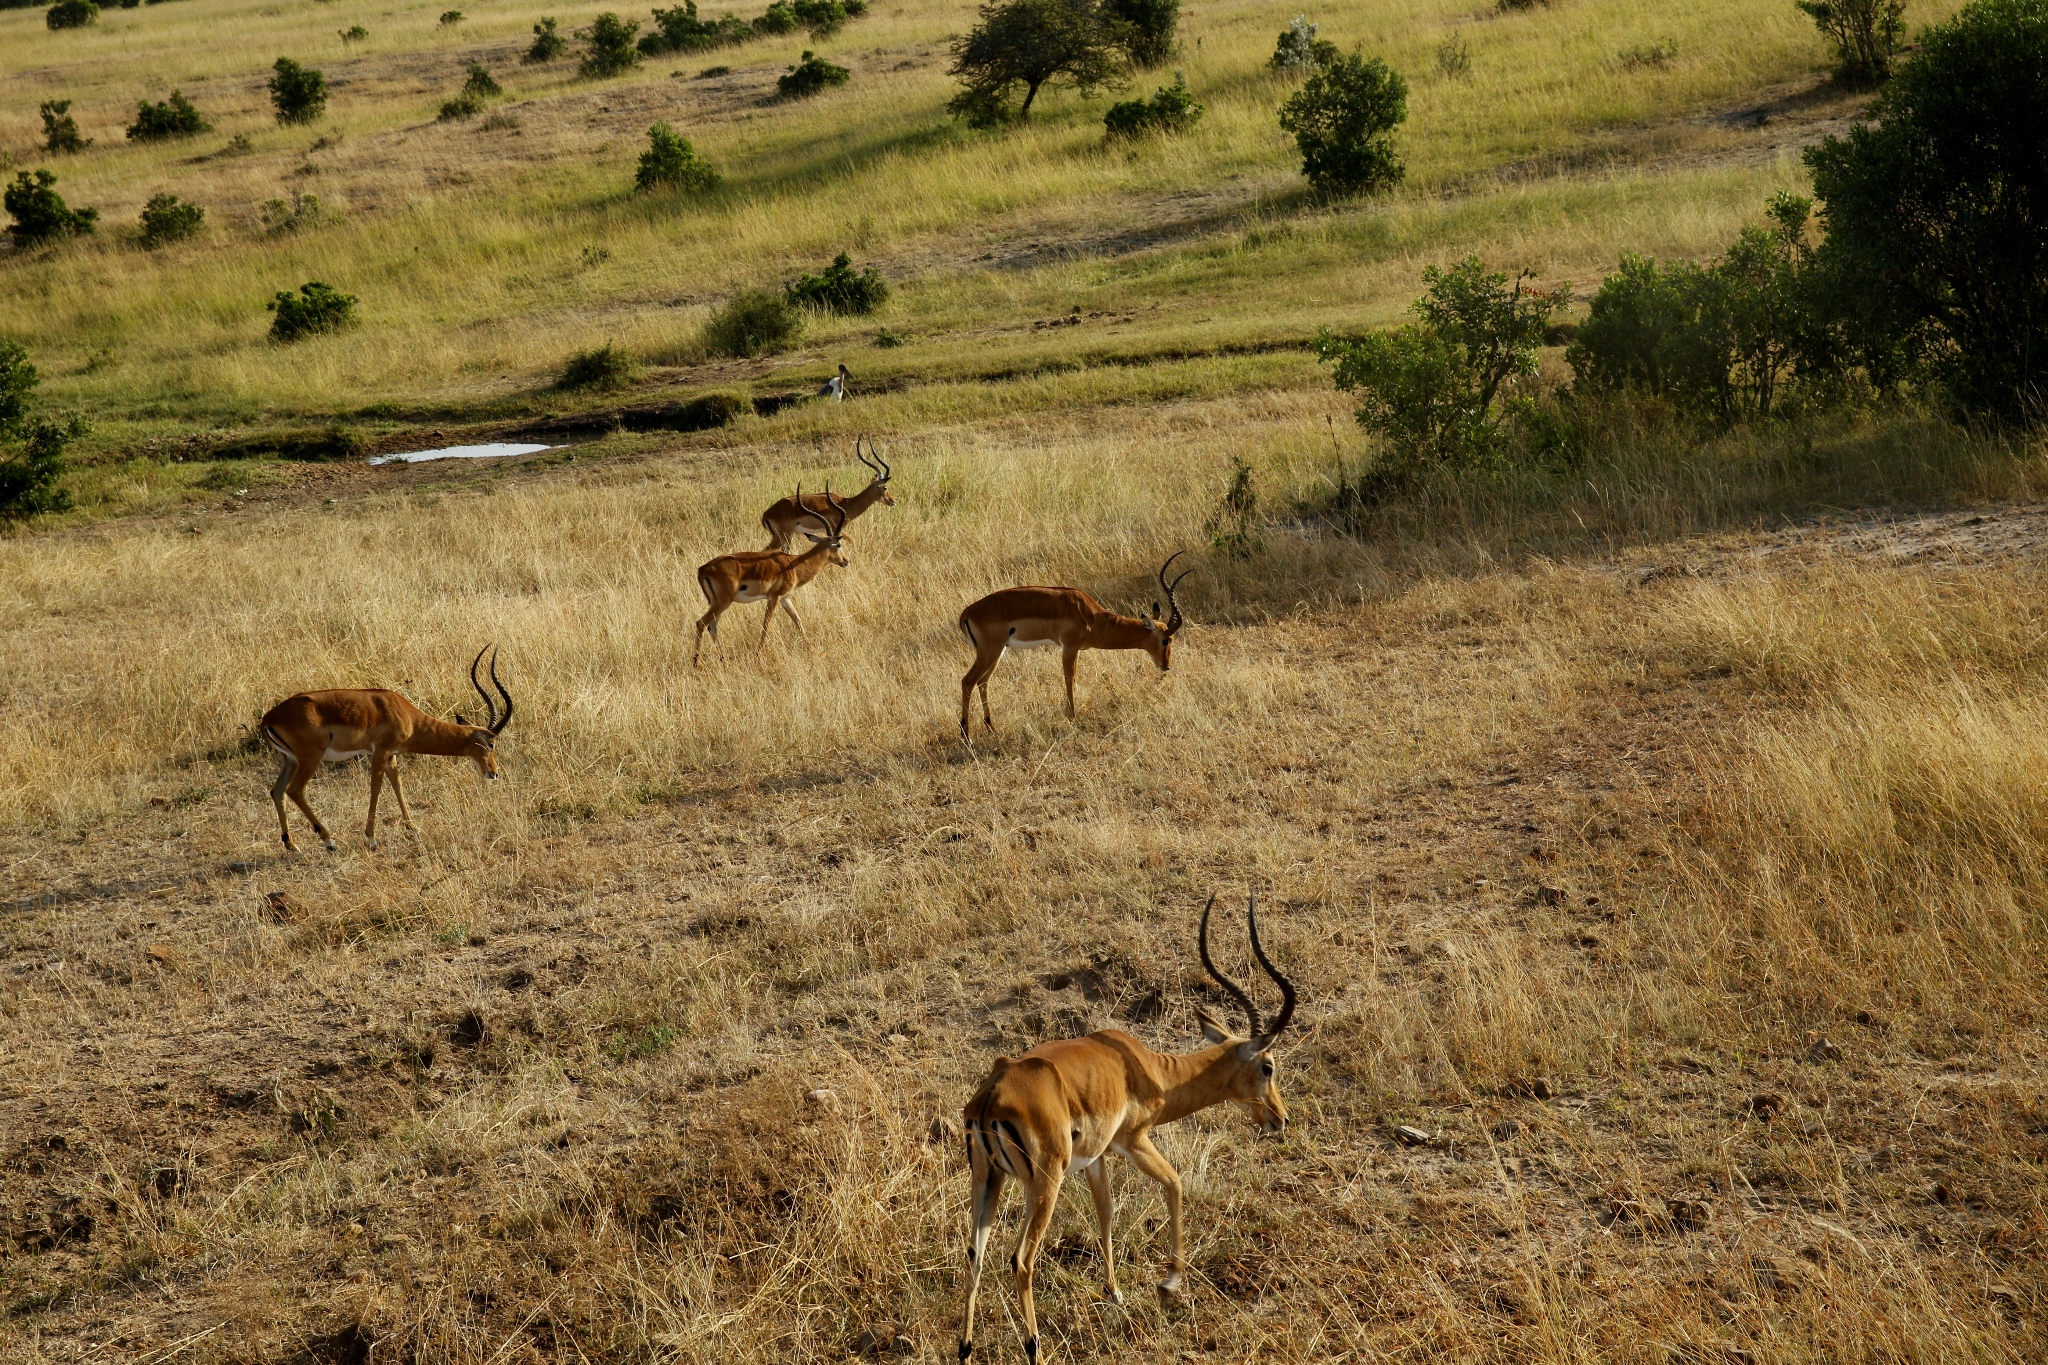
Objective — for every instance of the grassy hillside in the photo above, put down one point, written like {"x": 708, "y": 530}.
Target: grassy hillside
{"x": 1662, "y": 836}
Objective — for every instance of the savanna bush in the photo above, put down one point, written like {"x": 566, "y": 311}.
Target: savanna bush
{"x": 72, "y": 14}
{"x": 670, "y": 162}
{"x": 297, "y": 93}
{"x": 301, "y": 211}
{"x": 839, "y": 288}
{"x": 753, "y": 322}
{"x": 60, "y": 130}
{"x": 811, "y": 75}
{"x": 1149, "y": 28}
{"x": 476, "y": 92}
{"x": 31, "y": 448}
{"x": 780, "y": 17}
{"x": 608, "y": 47}
{"x": 315, "y": 309}
{"x": 354, "y": 33}
{"x": 1865, "y": 35}
{"x": 607, "y": 367}
{"x": 1299, "y": 50}
{"x": 171, "y": 118}
{"x": 1030, "y": 44}
{"x": 547, "y": 44}
{"x": 167, "y": 218}
{"x": 1172, "y": 109}
{"x": 40, "y": 213}
{"x": 1343, "y": 120}
{"x": 1433, "y": 389}
{"x": 1935, "y": 209}
{"x": 826, "y": 17}
{"x": 680, "y": 30}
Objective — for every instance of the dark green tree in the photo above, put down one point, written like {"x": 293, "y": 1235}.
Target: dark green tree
{"x": 670, "y": 162}
{"x": 60, "y": 130}
{"x": 1865, "y": 34}
{"x": 1172, "y": 109}
{"x": 316, "y": 308}
{"x": 72, "y": 14}
{"x": 1029, "y": 44}
{"x": 1937, "y": 208}
{"x": 297, "y": 93}
{"x": 40, "y": 213}
{"x": 839, "y": 288}
{"x": 608, "y": 47}
{"x": 1343, "y": 120}
{"x": 171, "y": 118}
{"x": 811, "y": 75}
{"x": 167, "y": 218}
{"x": 1149, "y": 28}
{"x": 547, "y": 43}
{"x": 31, "y": 448}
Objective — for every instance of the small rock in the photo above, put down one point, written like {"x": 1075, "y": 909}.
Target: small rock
{"x": 1550, "y": 895}
{"x": 1541, "y": 1088}
{"x": 896, "y": 1040}
{"x": 1820, "y": 1050}
{"x": 282, "y": 907}
{"x": 1688, "y": 1215}
{"x": 823, "y": 1098}
{"x": 1412, "y": 1137}
{"x": 1766, "y": 1105}
{"x": 1507, "y": 1130}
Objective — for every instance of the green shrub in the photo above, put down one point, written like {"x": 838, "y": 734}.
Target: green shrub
{"x": 839, "y": 289}
{"x": 754, "y": 322}
{"x": 780, "y": 17}
{"x": 1865, "y": 34}
{"x": 810, "y": 75}
{"x": 547, "y": 44}
{"x": 174, "y": 117}
{"x": 297, "y": 93}
{"x": 40, "y": 213}
{"x": 1299, "y": 50}
{"x": 31, "y": 449}
{"x": 1935, "y": 209}
{"x": 823, "y": 17}
{"x": 1432, "y": 389}
{"x": 60, "y": 130}
{"x": 72, "y": 14}
{"x": 280, "y": 216}
{"x": 709, "y": 411}
{"x": 354, "y": 33}
{"x": 607, "y": 367}
{"x": 608, "y": 46}
{"x": 670, "y": 162}
{"x": 1172, "y": 109}
{"x": 1723, "y": 340}
{"x": 450, "y": 18}
{"x": 1148, "y": 28}
{"x": 316, "y": 308}
{"x": 1033, "y": 43}
{"x": 680, "y": 30}
{"x": 167, "y": 218}
{"x": 1343, "y": 120}
{"x": 477, "y": 91}
{"x": 1454, "y": 58}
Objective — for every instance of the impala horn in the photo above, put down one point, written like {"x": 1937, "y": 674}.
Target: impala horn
{"x": 1174, "y": 622}
{"x": 837, "y": 506}
{"x": 1286, "y": 986}
{"x": 491, "y": 707}
{"x": 879, "y": 465}
{"x": 498, "y": 728}
{"x": 1236, "y": 991}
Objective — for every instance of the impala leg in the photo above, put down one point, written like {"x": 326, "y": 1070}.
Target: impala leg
{"x": 767, "y": 621}
{"x": 377, "y": 765}
{"x": 708, "y": 621}
{"x": 1098, "y": 1185}
{"x": 988, "y": 1198}
{"x": 1146, "y": 1158}
{"x": 399, "y": 792}
{"x": 977, "y": 676}
{"x": 296, "y": 789}
{"x": 1067, "y": 659}
{"x": 790, "y": 607}
{"x": 1045, "y": 1197}
{"x": 285, "y": 768}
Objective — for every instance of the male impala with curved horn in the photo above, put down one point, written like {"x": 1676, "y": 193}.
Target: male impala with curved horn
{"x": 316, "y": 727}
{"x": 784, "y": 520}
{"x": 1063, "y": 1107}
{"x": 1066, "y": 618}
{"x": 767, "y": 575}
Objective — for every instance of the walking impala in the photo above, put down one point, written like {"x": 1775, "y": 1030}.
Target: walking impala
{"x": 316, "y": 727}
{"x": 783, "y": 520}
{"x": 1064, "y": 1107}
{"x": 1042, "y": 618}
{"x": 768, "y": 575}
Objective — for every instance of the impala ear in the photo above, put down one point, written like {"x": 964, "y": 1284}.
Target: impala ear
{"x": 1212, "y": 1027}
{"x": 459, "y": 720}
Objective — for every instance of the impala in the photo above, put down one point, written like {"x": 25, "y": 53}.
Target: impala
{"x": 317, "y": 727}
{"x": 767, "y": 575}
{"x": 1063, "y": 1107}
{"x": 783, "y": 520}
{"x": 1066, "y": 618}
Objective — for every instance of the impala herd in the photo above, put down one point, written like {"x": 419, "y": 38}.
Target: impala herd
{"x": 1059, "y": 1108}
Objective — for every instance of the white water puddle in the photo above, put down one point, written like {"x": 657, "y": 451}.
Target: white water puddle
{"x": 483, "y": 452}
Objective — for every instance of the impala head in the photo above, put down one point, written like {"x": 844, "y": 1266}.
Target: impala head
{"x": 1164, "y": 628}
{"x": 483, "y": 739}
{"x": 878, "y": 466}
{"x": 834, "y": 528}
{"x": 1253, "y": 1079}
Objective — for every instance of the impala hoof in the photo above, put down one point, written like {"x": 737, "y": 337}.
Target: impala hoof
{"x": 1116, "y": 1297}
{"x": 333, "y": 847}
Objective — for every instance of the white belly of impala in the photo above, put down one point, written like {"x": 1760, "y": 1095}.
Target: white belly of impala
{"x": 1015, "y": 643}
{"x": 342, "y": 755}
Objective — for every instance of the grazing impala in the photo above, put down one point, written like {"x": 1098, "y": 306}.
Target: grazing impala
{"x": 1066, "y": 618}
{"x": 316, "y": 727}
{"x": 783, "y": 520}
{"x": 1063, "y": 1107}
{"x": 767, "y": 575}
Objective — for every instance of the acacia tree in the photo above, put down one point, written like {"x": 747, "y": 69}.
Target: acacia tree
{"x": 1033, "y": 43}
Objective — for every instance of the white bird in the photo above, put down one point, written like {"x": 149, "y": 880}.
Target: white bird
{"x": 835, "y": 387}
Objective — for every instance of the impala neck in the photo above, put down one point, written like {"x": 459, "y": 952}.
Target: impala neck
{"x": 1110, "y": 631}
{"x": 866, "y": 498}
{"x": 442, "y": 737}
{"x": 805, "y": 566}
{"x": 1195, "y": 1080}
